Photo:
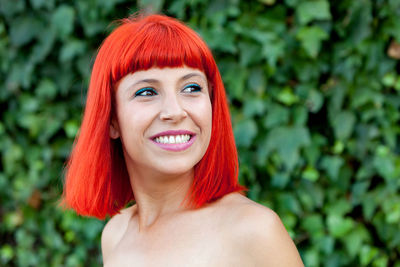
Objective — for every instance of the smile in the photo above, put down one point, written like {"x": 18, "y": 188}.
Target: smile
{"x": 175, "y": 140}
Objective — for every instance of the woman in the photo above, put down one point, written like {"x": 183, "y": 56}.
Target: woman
{"x": 157, "y": 130}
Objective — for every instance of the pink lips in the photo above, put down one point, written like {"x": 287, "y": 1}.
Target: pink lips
{"x": 175, "y": 147}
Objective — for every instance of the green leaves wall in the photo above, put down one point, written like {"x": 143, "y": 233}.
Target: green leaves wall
{"x": 315, "y": 101}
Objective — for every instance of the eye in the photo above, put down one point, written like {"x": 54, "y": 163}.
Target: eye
{"x": 190, "y": 88}
{"x": 148, "y": 91}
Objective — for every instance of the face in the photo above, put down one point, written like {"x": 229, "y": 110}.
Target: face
{"x": 163, "y": 119}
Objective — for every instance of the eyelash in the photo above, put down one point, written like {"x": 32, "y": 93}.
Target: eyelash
{"x": 147, "y": 89}
{"x": 197, "y": 88}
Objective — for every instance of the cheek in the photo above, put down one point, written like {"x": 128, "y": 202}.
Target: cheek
{"x": 202, "y": 114}
{"x": 134, "y": 120}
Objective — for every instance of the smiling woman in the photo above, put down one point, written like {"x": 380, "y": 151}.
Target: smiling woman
{"x": 157, "y": 131}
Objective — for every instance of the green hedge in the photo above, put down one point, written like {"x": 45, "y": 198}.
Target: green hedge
{"x": 314, "y": 88}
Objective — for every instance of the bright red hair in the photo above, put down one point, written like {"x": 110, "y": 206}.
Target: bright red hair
{"x": 97, "y": 182}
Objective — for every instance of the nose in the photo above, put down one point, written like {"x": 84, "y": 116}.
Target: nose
{"x": 172, "y": 109}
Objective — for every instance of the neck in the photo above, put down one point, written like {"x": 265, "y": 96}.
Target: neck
{"x": 158, "y": 195}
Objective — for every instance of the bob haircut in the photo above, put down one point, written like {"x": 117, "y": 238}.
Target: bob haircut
{"x": 97, "y": 181}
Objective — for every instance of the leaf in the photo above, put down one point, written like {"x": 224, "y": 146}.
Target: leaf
{"x": 385, "y": 166}
{"x": 249, "y": 53}
{"x": 332, "y": 165}
{"x": 300, "y": 115}
{"x": 310, "y": 174}
{"x": 313, "y": 10}
{"x": 311, "y": 257}
{"x": 6, "y": 253}
{"x": 273, "y": 48}
{"x": 71, "y": 49}
{"x": 46, "y": 89}
{"x": 287, "y": 97}
{"x": 339, "y": 226}
{"x": 339, "y": 208}
{"x": 311, "y": 38}
{"x": 235, "y": 79}
{"x": 71, "y": 128}
{"x": 253, "y": 106}
{"x": 11, "y": 8}
{"x": 280, "y": 180}
{"x": 313, "y": 223}
{"x": 257, "y": 81}
{"x": 343, "y": 124}
{"x": 315, "y": 100}
{"x": 43, "y": 47}
{"x": 37, "y": 4}
{"x": 23, "y": 30}
{"x": 287, "y": 141}
{"x": 355, "y": 239}
{"x": 244, "y": 132}
{"x": 288, "y": 202}
{"x": 389, "y": 79}
{"x": 367, "y": 254}
{"x": 63, "y": 20}
{"x": 276, "y": 115}
{"x": 361, "y": 20}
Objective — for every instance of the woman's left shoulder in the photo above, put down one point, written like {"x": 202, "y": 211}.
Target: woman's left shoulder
{"x": 258, "y": 232}
{"x": 245, "y": 214}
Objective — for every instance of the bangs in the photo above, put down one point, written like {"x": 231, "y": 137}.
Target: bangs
{"x": 158, "y": 44}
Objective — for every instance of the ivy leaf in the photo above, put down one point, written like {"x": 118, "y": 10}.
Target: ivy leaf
{"x": 71, "y": 49}
{"x": 245, "y": 131}
{"x": 276, "y": 115}
{"x": 311, "y": 38}
{"x": 313, "y": 10}
{"x": 339, "y": 226}
{"x": 310, "y": 174}
{"x": 332, "y": 165}
{"x": 343, "y": 124}
{"x": 287, "y": 141}
{"x": 23, "y": 30}
{"x": 63, "y": 20}
{"x": 315, "y": 100}
{"x": 287, "y": 97}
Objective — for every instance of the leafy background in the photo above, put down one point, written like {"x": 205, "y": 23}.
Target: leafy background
{"x": 314, "y": 88}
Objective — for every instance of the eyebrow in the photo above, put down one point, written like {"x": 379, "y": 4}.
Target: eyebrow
{"x": 185, "y": 77}
{"x": 190, "y": 75}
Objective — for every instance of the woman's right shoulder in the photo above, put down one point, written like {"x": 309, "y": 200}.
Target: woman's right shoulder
{"x": 114, "y": 230}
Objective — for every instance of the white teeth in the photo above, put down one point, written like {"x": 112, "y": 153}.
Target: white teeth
{"x": 173, "y": 139}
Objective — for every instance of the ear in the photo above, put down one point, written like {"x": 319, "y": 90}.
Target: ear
{"x": 114, "y": 129}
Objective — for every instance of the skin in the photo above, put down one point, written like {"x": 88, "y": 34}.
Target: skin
{"x": 158, "y": 230}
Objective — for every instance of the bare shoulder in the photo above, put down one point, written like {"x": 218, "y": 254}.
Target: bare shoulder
{"x": 114, "y": 230}
{"x": 258, "y": 232}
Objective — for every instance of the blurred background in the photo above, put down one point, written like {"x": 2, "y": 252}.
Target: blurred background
{"x": 314, "y": 91}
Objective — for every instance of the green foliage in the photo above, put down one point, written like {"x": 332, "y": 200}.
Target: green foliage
{"x": 315, "y": 102}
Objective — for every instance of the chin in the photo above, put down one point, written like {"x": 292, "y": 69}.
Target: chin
{"x": 175, "y": 170}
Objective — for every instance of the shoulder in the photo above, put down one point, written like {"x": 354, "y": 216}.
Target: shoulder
{"x": 114, "y": 230}
{"x": 258, "y": 233}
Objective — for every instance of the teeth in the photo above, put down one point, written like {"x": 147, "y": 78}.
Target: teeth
{"x": 173, "y": 139}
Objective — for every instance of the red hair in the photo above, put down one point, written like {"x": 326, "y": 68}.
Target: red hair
{"x": 97, "y": 182}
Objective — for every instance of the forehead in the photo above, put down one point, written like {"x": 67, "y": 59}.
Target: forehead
{"x": 162, "y": 75}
